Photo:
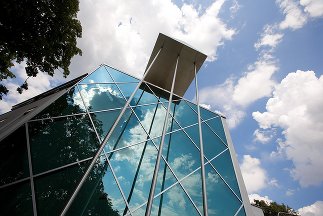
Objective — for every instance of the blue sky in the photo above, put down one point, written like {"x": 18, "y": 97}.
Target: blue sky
{"x": 264, "y": 72}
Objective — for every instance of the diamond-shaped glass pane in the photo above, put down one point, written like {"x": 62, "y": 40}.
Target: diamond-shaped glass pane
{"x": 102, "y": 96}
{"x": 173, "y": 202}
{"x": 100, "y": 75}
{"x": 14, "y": 159}
{"x": 119, "y": 76}
{"x": 181, "y": 154}
{"x": 16, "y": 199}
{"x": 221, "y": 200}
{"x": 223, "y": 165}
{"x": 53, "y": 190}
{"x": 184, "y": 115}
{"x": 99, "y": 194}
{"x": 68, "y": 104}
{"x": 60, "y": 141}
{"x": 217, "y": 127}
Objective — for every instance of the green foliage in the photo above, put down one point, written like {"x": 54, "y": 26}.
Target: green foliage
{"x": 273, "y": 208}
{"x": 43, "y": 33}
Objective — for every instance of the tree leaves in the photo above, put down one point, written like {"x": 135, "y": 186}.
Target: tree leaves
{"x": 42, "y": 33}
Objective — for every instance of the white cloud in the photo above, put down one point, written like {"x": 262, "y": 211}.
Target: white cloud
{"x": 254, "y": 175}
{"x": 313, "y": 7}
{"x": 316, "y": 209}
{"x": 295, "y": 18}
{"x": 36, "y": 86}
{"x": 290, "y": 192}
{"x": 263, "y": 136}
{"x": 270, "y": 37}
{"x": 296, "y": 108}
{"x": 123, "y": 33}
{"x": 231, "y": 97}
{"x": 206, "y": 106}
{"x": 253, "y": 197}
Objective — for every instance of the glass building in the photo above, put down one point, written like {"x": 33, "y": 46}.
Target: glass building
{"x": 108, "y": 143}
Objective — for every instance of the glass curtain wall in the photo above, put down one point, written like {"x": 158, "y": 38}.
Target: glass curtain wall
{"x": 43, "y": 161}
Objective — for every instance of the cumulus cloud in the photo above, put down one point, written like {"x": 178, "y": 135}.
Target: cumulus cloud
{"x": 122, "y": 33}
{"x": 316, "y": 209}
{"x": 270, "y": 37}
{"x": 232, "y": 97}
{"x": 296, "y": 108}
{"x": 253, "y": 197}
{"x": 313, "y": 7}
{"x": 295, "y": 18}
{"x": 254, "y": 175}
{"x": 262, "y": 136}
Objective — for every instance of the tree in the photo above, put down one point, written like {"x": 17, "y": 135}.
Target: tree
{"x": 42, "y": 33}
{"x": 273, "y": 208}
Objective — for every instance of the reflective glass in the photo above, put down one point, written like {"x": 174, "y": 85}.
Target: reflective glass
{"x": 221, "y": 200}
{"x": 223, "y": 165}
{"x": 16, "y": 199}
{"x": 216, "y": 125}
{"x": 134, "y": 167}
{"x": 173, "y": 202}
{"x": 100, "y": 75}
{"x": 148, "y": 96}
{"x": 181, "y": 154}
{"x": 193, "y": 186}
{"x": 68, "y": 104}
{"x": 14, "y": 157}
{"x": 212, "y": 144}
{"x": 119, "y": 76}
{"x": 205, "y": 114}
{"x": 60, "y": 141}
{"x": 101, "y": 96}
{"x": 99, "y": 194}
{"x": 127, "y": 90}
{"x": 127, "y": 132}
{"x": 53, "y": 190}
{"x": 103, "y": 121}
{"x": 184, "y": 115}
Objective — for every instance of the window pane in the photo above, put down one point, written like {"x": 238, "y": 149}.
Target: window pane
{"x": 99, "y": 194}
{"x": 119, "y": 76}
{"x": 174, "y": 202}
{"x": 60, "y": 141}
{"x": 221, "y": 200}
{"x": 184, "y": 114}
{"x": 102, "y": 96}
{"x": 53, "y": 190}
{"x": 127, "y": 90}
{"x": 16, "y": 199}
{"x": 14, "y": 157}
{"x": 223, "y": 165}
{"x": 216, "y": 125}
{"x": 68, "y": 104}
{"x": 212, "y": 144}
{"x": 100, "y": 75}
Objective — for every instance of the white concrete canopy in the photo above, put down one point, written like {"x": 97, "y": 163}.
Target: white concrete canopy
{"x": 162, "y": 71}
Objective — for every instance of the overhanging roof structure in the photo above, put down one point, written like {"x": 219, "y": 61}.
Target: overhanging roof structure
{"x": 162, "y": 71}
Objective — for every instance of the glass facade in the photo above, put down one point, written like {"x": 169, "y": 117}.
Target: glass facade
{"x": 44, "y": 160}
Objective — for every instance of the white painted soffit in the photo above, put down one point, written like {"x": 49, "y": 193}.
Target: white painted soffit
{"x": 162, "y": 71}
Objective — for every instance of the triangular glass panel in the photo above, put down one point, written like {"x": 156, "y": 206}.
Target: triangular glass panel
{"x": 147, "y": 96}
{"x": 101, "y": 96}
{"x": 127, "y": 132}
{"x": 59, "y": 141}
{"x": 184, "y": 115}
{"x": 217, "y": 127}
{"x": 134, "y": 167}
{"x": 99, "y": 194}
{"x": 181, "y": 154}
{"x": 100, "y": 75}
{"x": 173, "y": 202}
{"x": 68, "y": 104}
{"x": 223, "y": 164}
{"x": 127, "y": 90}
{"x": 207, "y": 114}
{"x": 212, "y": 144}
{"x": 119, "y": 76}
{"x": 54, "y": 189}
{"x": 193, "y": 186}
{"x": 16, "y": 199}
{"x": 165, "y": 178}
{"x": 14, "y": 158}
{"x": 221, "y": 200}
{"x": 103, "y": 121}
